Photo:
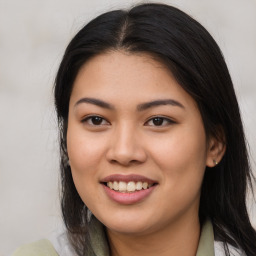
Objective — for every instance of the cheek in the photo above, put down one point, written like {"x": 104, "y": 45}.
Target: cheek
{"x": 86, "y": 152}
{"x": 85, "y": 155}
{"x": 182, "y": 159}
{"x": 183, "y": 167}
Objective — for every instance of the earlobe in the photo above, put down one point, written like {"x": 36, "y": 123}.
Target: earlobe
{"x": 216, "y": 151}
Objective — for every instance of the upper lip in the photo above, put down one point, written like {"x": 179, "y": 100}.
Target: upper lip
{"x": 127, "y": 178}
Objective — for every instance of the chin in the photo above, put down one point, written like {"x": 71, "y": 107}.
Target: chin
{"x": 129, "y": 223}
{"x": 129, "y": 229}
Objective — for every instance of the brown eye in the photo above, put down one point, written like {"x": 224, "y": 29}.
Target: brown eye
{"x": 95, "y": 120}
{"x": 159, "y": 121}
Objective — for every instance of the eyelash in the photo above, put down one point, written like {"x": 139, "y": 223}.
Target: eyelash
{"x": 164, "y": 121}
{"x": 89, "y": 121}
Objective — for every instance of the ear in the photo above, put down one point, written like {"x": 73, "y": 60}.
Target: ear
{"x": 216, "y": 149}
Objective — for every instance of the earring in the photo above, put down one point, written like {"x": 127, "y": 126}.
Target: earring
{"x": 215, "y": 162}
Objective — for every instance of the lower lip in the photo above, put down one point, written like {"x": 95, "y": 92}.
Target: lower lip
{"x": 128, "y": 198}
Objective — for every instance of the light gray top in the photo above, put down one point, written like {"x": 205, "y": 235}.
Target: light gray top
{"x": 58, "y": 244}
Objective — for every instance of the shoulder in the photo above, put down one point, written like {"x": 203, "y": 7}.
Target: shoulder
{"x": 39, "y": 248}
{"x": 59, "y": 239}
{"x": 220, "y": 251}
{"x": 56, "y": 244}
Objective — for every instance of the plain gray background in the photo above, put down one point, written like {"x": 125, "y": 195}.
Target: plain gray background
{"x": 33, "y": 36}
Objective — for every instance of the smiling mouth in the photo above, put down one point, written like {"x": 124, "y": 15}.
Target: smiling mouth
{"x": 128, "y": 187}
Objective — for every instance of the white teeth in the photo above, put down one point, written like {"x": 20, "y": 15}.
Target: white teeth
{"x": 110, "y": 185}
{"x": 139, "y": 185}
{"x": 145, "y": 185}
{"x": 122, "y": 186}
{"x": 131, "y": 186}
{"x": 115, "y": 185}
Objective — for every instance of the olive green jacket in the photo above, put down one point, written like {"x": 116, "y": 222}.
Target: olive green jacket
{"x": 206, "y": 246}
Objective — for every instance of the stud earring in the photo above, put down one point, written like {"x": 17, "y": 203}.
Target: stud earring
{"x": 215, "y": 162}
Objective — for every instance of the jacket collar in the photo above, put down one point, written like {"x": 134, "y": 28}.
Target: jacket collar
{"x": 206, "y": 242}
{"x": 100, "y": 245}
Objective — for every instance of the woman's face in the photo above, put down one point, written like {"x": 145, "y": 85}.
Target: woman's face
{"x": 136, "y": 144}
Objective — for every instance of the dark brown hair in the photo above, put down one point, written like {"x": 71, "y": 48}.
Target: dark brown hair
{"x": 194, "y": 58}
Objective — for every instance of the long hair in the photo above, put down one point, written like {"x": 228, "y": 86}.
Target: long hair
{"x": 191, "y": 54}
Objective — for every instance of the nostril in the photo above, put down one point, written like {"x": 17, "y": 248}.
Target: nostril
{"x": 124, "y": 162}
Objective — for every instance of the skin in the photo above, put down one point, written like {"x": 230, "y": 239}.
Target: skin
{"x": 128, "y": 141}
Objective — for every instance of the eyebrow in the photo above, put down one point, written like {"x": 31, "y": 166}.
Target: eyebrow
{"x": 140, "y": 107}
{"x": 96, "y": 102}
{"x": 156, "y": 103}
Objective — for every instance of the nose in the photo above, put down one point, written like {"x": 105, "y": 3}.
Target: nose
{"x": 126, "y": 147}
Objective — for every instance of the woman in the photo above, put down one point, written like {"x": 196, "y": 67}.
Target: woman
{"x": 153, "y": 155}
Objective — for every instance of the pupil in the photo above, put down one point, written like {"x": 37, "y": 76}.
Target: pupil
{"x": 158, "y": 121}
{"x": 96, "y": 120}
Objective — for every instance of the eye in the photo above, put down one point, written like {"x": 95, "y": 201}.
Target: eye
{"x": 159, "y": 121}
{"x": 95, "y": 120}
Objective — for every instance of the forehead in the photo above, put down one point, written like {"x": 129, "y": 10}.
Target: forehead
{"x": 127, "y": 76}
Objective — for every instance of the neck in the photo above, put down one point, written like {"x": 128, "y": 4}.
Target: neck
{"x": 181, "y": 238}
